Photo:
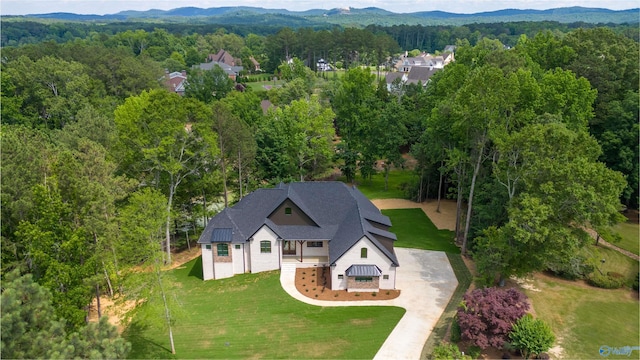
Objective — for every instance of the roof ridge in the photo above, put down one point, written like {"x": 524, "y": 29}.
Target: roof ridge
{"x": 235, "y": 225}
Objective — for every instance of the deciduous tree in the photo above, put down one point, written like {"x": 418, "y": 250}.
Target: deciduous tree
{"x": 164, "y": 139}
{"x": 486, "y": 316}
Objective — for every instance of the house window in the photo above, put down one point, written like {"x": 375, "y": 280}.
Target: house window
{"x": 265, "y": 247}
{"x": 314, "y": 243}
{"x": 238, "y": 246}
{"x": 223, "y": 250}
{"x": 363, "y": 253}
{"x": 340, "y": 276}
{"x": 208, "y": 247}
{"x": 385, "y": 277}
{"x": 287, "y": 211}
{"x": 364, "y": 279}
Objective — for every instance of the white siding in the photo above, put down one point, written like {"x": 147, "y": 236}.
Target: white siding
{"x": 207, "y": 263}
{"x": 314, "y": 251}
{"x": 374, "y": 257}
{"x": 264, "y": 261}
{"x": 238, "y": 259}
{"x": 223, "y": 270}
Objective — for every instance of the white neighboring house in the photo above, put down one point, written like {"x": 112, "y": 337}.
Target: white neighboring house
{"x": 323, "y": 65}
{"x": 305, "y": 224}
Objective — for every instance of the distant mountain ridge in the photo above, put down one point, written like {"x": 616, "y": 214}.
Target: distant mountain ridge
{"x": 365, "y": 16}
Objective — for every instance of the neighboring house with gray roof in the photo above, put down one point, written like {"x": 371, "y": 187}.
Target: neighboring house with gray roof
{"x": 231, "y": 71}
{"x": 308, "y": 224}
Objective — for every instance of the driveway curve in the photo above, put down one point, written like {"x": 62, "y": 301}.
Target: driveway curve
{"x": 426, "y": 281}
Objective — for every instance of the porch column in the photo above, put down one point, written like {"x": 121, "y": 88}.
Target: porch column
{"x": 301, "y": 247}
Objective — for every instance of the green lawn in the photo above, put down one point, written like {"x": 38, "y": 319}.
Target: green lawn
{"x": 250, "y": 316}
{"x": 415, "y": 230}
{"x": 614, "y": 261}
{"x": 374, "y": 188}
{"x": 630, "y": 237}
{"x": 585, "y": 318}
{"x": 259, "y": 85}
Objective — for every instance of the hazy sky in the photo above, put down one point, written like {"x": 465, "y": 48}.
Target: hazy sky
{"x": 100, "y": 7}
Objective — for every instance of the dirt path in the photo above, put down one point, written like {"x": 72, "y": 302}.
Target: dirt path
{"x": 605, "y": 243}
{"x": 443, "y": 220}
{"x": 116, "y": 310}
{"x": 620, "y": 250}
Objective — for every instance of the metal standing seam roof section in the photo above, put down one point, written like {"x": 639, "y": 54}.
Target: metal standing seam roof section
{"x": 363, "y": 270}
{"x": 221, "y": 235}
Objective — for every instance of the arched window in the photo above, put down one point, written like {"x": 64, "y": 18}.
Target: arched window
{"x": 223, "y": 250}
{"x": 363, "y": 253}
{"x": 265, "y": 247}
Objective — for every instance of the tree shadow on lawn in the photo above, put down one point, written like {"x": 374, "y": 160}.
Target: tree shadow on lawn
{"x": 143, "y": 347}
{"x": 196, "y": 269}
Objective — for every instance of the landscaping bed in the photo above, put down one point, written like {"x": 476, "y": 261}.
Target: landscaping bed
{"x": 315, "y": 283}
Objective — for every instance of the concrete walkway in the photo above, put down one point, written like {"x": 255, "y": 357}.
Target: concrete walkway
{"x": 426, "y": 281}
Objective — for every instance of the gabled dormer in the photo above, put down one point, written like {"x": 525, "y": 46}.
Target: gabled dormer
{"x": 288, "y": 213}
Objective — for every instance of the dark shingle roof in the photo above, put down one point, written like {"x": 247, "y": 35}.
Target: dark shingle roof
{"x": 420, "y": 74}
{"x": 343, "y": 216}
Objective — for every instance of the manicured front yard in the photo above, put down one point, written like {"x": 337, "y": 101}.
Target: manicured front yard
{"x": 250, "y": 316}
{"x": 414, "y": 230}
{"x": 584, "y": 318}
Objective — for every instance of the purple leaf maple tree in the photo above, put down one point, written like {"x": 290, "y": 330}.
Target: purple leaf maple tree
{"x": 487, "y": 315}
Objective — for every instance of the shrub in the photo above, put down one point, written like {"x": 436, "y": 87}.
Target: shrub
{"x": 374, "y": 294}
{"x": 574, "y": 268}
{"x": 447, "y": 351}
{"x": 531, "y": 336}
{"x": 635, "y": 282}
{"x": 605, "y": 281}
{"x": 474, "y": 352}
{"x": 455, "y": 331}
{"x": 486, "y": 315}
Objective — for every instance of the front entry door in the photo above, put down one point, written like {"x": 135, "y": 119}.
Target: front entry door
{"x": 289, "y": 248}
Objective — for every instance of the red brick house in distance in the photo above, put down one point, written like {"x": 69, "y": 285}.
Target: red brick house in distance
{"x": 175, "y": 81}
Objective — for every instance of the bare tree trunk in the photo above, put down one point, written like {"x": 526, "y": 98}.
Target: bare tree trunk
{"x": 168, "y": 223}
{"x": 167, "y": 312}
{"x": 386, "y": 177}
{"x": 240, "y": 172}
{"x": 224, "y": 181}
{"x": 459, "y": 204}
{"x": 440, "y": 186}
{"x": 98, "y": 300}
{"x": 476, "y": 170}
{"x": 204, "y": 203}
{"x": 106, "y": 275}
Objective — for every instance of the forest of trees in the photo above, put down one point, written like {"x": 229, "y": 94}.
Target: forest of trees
{"x": 103, "y": 167}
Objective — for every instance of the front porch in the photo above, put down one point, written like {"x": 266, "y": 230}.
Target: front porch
{"x": 305, "y": 253}
{"x": 307, "y": 261}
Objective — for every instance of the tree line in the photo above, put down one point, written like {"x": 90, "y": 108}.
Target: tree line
{"x": 103, "y": 168}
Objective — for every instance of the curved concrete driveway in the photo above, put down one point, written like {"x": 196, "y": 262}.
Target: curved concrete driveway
{"x": 426, "y": 281}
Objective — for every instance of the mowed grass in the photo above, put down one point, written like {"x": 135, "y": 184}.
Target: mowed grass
{"x": 630, "y": 234}
{"x": 415, "y": 230}
{"x": 614, "y": 261}
{"x": 250, "y": 316}
{"x": 374, "y": 188}
{"x": 584, "y": 318}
